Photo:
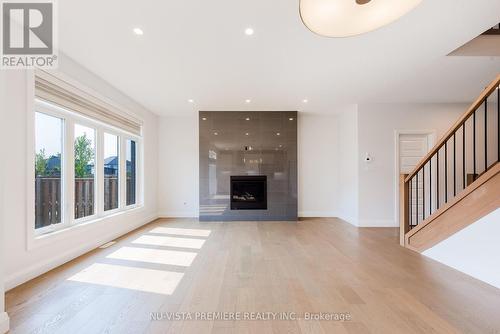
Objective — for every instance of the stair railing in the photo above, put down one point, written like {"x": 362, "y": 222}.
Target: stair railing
{"x": 469, "y": 149}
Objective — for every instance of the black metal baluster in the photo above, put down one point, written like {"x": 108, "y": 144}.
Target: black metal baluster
{"x": 430, "y": 186}
{"x": 446, "y": 172}
{"x": 486, "y": 134}
{"x": 423, "y": 192}
{"x": 463, "y": 155}
{"x": 410, "y": 223}
{"x": 474, "y": 144}
{"x": 437, "y": 180}
{"x": 454, "y": 164}
{"x": 416, "y": 198}
{"x": 498, "y": 121}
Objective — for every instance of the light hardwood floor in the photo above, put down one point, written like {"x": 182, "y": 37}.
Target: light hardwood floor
{"x": 318, "y": 265}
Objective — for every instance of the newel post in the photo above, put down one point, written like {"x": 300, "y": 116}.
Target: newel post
{"x": 404, "y": 216}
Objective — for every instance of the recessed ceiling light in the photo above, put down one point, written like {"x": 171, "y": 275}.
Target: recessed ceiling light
{"x": 278, "y": 134}
{"x": 138, "y": 31}
{"x": 191, "y": 101}
{"x": 247, "y": 119}
{"x": 248, "y": 101}
{"x": 305, "y": 100}
{"x": 290, "y": 119}
{"x": 216, "y": 133}
{"x": 204, "y": 118}
{"x": 249, "y": 31}
{"x": 246, "y": 134}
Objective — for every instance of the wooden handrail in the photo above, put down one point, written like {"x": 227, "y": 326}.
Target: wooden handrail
{"x": 484, "y": 95}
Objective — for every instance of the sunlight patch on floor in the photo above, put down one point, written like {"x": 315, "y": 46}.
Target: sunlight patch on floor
{"x": 175, "y": 258}
{"x": 154, "y": 240}
{"x": 141, "y": 279}
{"x": 181, "y": 231}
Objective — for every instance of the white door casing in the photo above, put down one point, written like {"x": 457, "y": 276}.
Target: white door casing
{"x": 411, "y": 147}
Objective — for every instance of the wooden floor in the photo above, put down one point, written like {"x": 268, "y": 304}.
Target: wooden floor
{"x": 315, "y": 266}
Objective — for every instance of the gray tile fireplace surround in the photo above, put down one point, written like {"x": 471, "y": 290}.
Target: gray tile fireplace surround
{"x": 241, "y": 143}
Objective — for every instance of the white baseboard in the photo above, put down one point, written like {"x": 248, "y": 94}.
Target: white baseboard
{"x": 194, "y": 215}
{"x": 314, "y": 214}
{"x": 4, "y": 322}
{"x": 178, "y": 214}
{"x": 377, "y": 223}
{"x": 351, "y": 220}
{"x": 18, "y": 278}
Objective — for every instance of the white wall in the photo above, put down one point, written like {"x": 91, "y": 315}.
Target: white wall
{"x": 334, "y": 180}
{"x": 317, "y": 165}
{"x": 376, "y": 135}
{"x": 348, "y": 178}
{"x": 475, "y": 250}
{"x": 178, "y": 180}
{"x": 22, "y": 264}
{"x": 4, "y": 320}
{"x": 178, "y": 159}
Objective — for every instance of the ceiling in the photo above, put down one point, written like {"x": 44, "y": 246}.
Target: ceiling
{"x": 197, "y": 49}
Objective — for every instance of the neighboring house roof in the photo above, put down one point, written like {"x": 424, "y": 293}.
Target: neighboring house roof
{"x": 111, "y": 161}
{"x": 53, "y": 162}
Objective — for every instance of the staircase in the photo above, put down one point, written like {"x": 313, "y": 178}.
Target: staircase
{"x": 493, "y": 31}
{"x": 458, "y": 181}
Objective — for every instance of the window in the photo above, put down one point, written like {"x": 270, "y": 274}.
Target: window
{"x": 48, "y": 170}
{"x": 131, "y": 171}
{"x": 78, "y": 165}
{"x": 111, "y": 172}
{"x": 84, "y": 171}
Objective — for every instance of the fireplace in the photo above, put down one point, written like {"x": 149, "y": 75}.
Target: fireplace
{"x": 249, "y": 192}
{"x": 248, "y": 166}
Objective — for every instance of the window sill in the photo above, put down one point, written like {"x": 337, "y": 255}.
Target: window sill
{"x": 40, "y": 240}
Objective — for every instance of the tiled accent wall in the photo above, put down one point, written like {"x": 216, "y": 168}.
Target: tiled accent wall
{"x": 248, "y": 143}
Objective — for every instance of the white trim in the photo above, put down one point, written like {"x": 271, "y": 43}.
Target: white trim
{"x": 120, "y": 159}
{"x": 40, "y": 268}
{"x": 96, "y": 172}
{"x": 68, "y": 172}
{"x": 315, "y": 214}
{"x": 122, "y": 174}
{"x": 178, "y": 214}
{"x": 431, "y": 135}
{"x": 301, "y": 214}
{"x": 349, "y": 219}
{"x": 30, "y": 157}
{"x": 137, "y": 200}
{"x": 4, "y": 322}
{"x": 99, "y": 163}
{"x": 67, "y": 175}
{"x": 60, "y": 234}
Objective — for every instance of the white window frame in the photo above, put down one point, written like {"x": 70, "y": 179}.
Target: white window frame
{"x": 87, "y": 124}
{"x": 120, "y": 173}
{"x": 70, "y": 119}
{"x": 137, "y": 160}
{"x": 64, "y": 166}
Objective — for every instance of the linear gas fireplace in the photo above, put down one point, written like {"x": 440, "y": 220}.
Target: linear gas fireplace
{"x": 249, "y": 192}
{"x": 248, "y": 166}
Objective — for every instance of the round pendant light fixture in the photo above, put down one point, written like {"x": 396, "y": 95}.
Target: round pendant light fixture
{"x": 343, "y": 18}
